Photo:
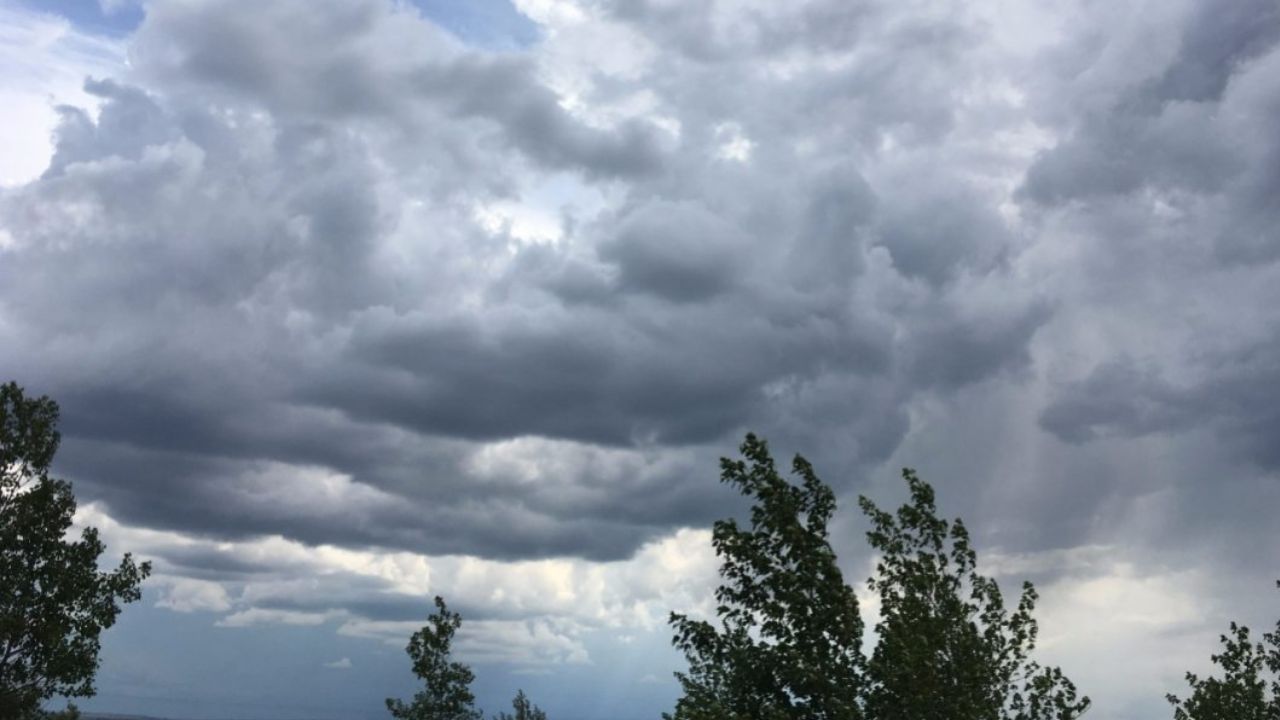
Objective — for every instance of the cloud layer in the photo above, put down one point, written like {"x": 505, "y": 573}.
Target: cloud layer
{"x": 338, "y": 283}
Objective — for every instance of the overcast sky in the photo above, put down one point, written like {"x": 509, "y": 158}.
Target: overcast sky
{"x": 354, "y": 302}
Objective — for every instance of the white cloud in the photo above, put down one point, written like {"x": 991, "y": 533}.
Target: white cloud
{"x": 555, "y": 600}
{"x": 191, "y": 595}
{"x": 43, "y": 63}
{"x": 392, "y": 316}
{"x": 1093, "y": 620}
{"x": 260, "y": 616}
{"x": 734, "y": 145}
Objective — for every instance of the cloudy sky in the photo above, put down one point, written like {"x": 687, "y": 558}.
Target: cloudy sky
{"x": 351, "y": 303}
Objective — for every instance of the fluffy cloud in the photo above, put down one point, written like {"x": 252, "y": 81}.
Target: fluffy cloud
{"x": 44, "y": 58}
{"x": 270, "y": 247}
{"x": 525, "y": 613}
{"x": 345, "y": 315}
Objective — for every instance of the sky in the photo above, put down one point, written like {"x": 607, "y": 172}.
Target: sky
{"x": 348, "y": 304}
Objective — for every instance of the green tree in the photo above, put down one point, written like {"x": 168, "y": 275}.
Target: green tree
{"x": 788, "y": 641}
{"x": 525, "y": 710}
{"x": 447, "y": 695}
{"x": 54, "y": 602}
{"x": 788, "y": 644}
{"x": 1243, "y": 692}
{"x": 947, "y": 646}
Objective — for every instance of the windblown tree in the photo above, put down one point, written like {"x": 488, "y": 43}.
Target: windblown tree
{"x": 948, "y": 647}
{"x": 1249, "y": 685}
{"x": 524, "y": 709}
{"x": 54, "y": 601}
{"x": 447, "y": 693}
{"x": 788, "y": 643}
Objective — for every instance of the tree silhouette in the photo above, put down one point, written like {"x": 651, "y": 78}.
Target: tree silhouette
{"x": 447, "y": 695}
{"x": 1243, "y": 692}
{"x": 524, "y": 709}
{"x": 54, "y": 602}
{"x": 948, "y": 648}
{"x": 789, "y": 641}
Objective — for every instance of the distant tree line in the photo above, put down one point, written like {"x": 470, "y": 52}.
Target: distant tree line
{"x": 786, "y": 643}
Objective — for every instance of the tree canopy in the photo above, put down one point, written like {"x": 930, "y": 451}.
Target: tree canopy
{"x": 524, "y": 709}
{"x": 54, "y": 601}
{"x": 790, "y": 635}
{"x": 1248, "y": 687}
{"x": 447, "y": 693}
{"x": 948, "y": 648}
{"x": 788, "y": 643}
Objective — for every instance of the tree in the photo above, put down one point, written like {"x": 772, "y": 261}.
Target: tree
{"x": 789, "y": 641}
{"x": 947, "y": 646}
{"x": 525, "y": 710}
{"x": 447, "y": 695}
{"x": 1243, "y": 692}
{"x": 54, "y": 602}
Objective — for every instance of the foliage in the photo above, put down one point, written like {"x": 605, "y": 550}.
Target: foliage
{"x": 948, "y": 648}
{"x": 1243, "y": 692}
{"x": 789, "y": 645}
{"x": 54, "y": 602}
{"x": 788, "y": 642}
{"x": 525, "y": 710}
{"x": 447, "y": 695}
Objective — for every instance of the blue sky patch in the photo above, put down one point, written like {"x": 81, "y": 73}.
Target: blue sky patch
{"x": 89, "y": 15}
{"x": 492, "y": 24}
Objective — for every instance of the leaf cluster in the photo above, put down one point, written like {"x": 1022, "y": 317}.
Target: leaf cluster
{"x": 788, "y": 641}
{"x": 789, "y": 645}
{"x": 524, "y": 709}
{"x": 1243, "y": 691}
{"x": 54, "y": 602}
{"x": 447, "y": 693}
{"x": 948, "y": 647}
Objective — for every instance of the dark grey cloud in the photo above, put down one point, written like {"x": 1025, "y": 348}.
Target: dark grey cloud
{"x": 675, "y": 251}
{"x": 940, "y": 230}
{"x": 1230, "y": 392}
{"x": 1166, "y": 172}
{"x": 1174, "y": 131}
{"x": 355, "y": 284}
{"x": 265, "y": 280}
{"x": 373, "y": 70}
{"x": 1215, "y": 43}
{"x": 1119, "y": 398}
{"x": 1157, "y": 363}
{"x": 268, "y": 244}
{"x": 134, "y": 123}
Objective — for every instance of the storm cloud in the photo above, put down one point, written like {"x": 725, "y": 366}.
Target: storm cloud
{"x": 335, "y": 278}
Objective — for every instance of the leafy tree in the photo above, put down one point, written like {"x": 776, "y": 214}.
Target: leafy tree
{"x": 1243, "y": 692}
{"x": 447, "y": 695}
{"x": 54, "y": 602}
{"x": 525, "y": 710}
{"x": 789, "y": 641}
{"x": 948, "y": 648}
